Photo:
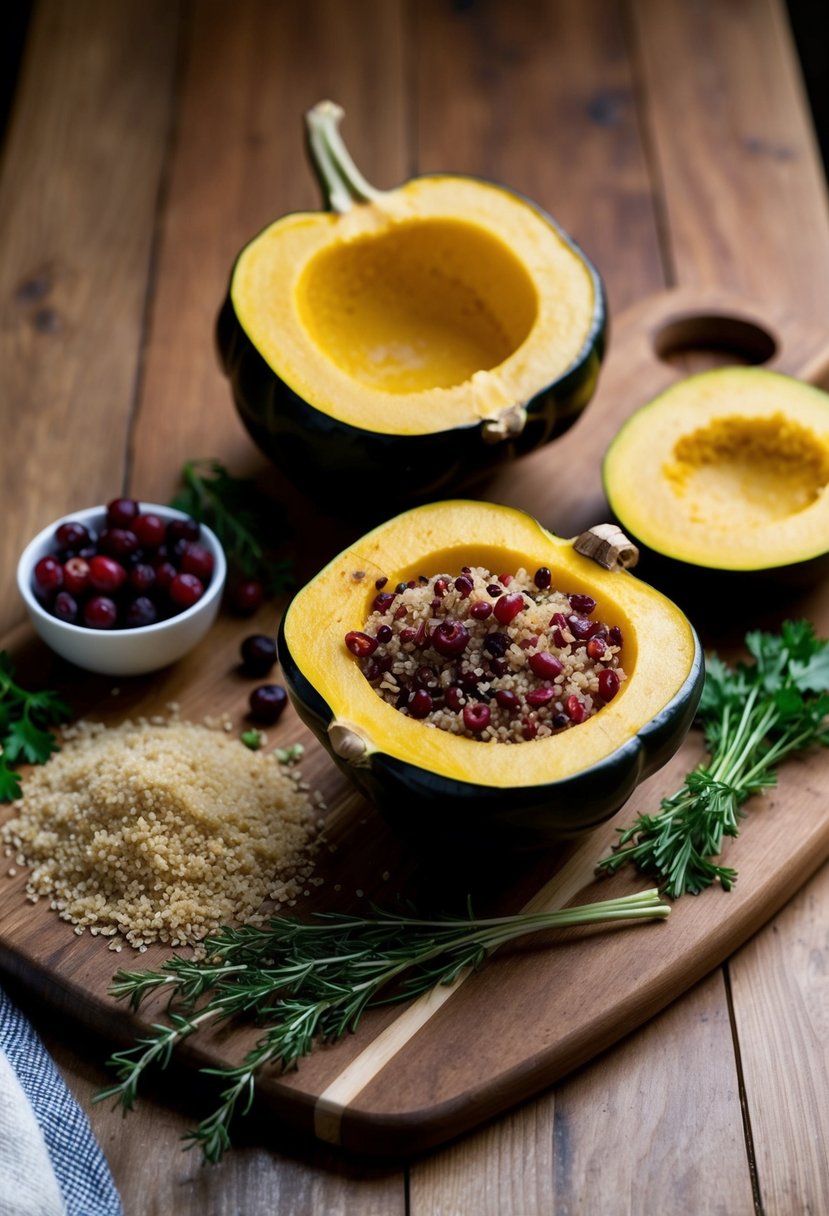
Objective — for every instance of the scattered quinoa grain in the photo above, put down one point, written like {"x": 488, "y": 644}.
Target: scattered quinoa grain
{"x": 160, "y": 831}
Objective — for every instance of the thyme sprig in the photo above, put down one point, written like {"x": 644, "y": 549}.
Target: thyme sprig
{"x": 753, "y": 715}
{"x": 309, "y": 981}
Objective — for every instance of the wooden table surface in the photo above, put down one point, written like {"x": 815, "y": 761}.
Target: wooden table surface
{"x": 148, "y": 140}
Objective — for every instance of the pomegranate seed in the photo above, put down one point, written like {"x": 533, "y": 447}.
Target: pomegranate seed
{"x": 496, "y": 644}
{"x": 245, "y": 597}
{"x": 400, "y": 612}
{"x": 72, "y": 535}
{"x": 185, "y": 590}
{"x": 435, "y": 605}
{"x": 608, "y": 684}
{"x": 76, "y": 575}
{"x": 400, "y": 588}
{"x": 150, "y": 530}
{"x": 121, "y": 512}
{"x": 450, "y": 638}
{"x": 385, "y": 634}
{"x": 540, "y": 696}
{"x": 380, "y": 583}
{"x": 543, "y": 578}
{"x": 560, "y": 721}
{"x": 100, "y": 612}
{"x": 426, "y": 677}
{"x": 580, "y": 628}
{"x": 575, "y": 708}
{"x": 371, "y": 670}
{"x": 615, "y": 636}
{"x": 559, "y": 620}
{"x": 507, "y": 699}
{"x": 493, "y": 589}
{"x": 480, "y": 610}
{"x": 142, "y": 611}
{"x": 383, "y": 601}
{"x": 595, "y": 648}
{"x": 466, "y": 569}
{"x": 267, "y": 702}
{"x": 545, "y": 665}
{"x": 530, "y": 728}
{"x": 500, "y": 667}
{"x": 420, "y": 705}
{"x": 197, "y": 559}
{"x": 505, "y": 579}
{"x": 48, "y": 576}
{"x": 258, "y": 652}
{"x": 441, "y": 586}
{"x": 407, "y": 635}
{"x": 507, "y": 607}
{"x": 454, "y": 697}
{"x": 476, "y": 717}
{"x": 142, "y": 578}
{"x": 420, "y": 637}
{"x": 584, "y": 604}
{"x": 106, "y": 574}
{"x": 468, "y": 680}
{"x": 65, "y": 607}
{"x": 463, "y": 585}
{"x": 384, "y": 662}
{"x": 360, "y": 644}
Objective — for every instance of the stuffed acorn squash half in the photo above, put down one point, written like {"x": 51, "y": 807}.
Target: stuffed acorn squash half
{"x": 414, "y": 337}
{"x": 591, "y": 698}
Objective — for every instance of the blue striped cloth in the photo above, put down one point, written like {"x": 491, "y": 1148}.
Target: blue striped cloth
{"x": 79, "y": 1166}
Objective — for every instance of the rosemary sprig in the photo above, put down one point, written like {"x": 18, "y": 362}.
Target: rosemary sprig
{"x": 308, "y": 981}
{"x": 753, "y": 716}
{"x": 249, "y": 525}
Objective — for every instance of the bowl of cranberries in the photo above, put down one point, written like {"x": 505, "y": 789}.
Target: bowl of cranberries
{"x": 123, "y": 589}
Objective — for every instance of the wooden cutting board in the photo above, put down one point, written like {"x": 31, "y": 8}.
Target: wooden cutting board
{"x": 414, "y": 1076}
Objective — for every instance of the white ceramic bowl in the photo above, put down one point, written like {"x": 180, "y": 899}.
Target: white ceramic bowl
{"x": 121, "y": 652}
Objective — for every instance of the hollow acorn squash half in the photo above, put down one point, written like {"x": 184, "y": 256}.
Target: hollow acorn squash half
{"x": 443, "y": 789}
{"x": 417, "y": 336}
{"x": 724, "y": 477}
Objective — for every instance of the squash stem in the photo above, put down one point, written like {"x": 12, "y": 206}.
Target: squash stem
{"x": 341, "y": 181}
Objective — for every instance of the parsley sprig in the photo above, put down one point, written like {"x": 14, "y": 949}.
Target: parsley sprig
{"x": 250, "y": 525}
{"x": 753, "y": 716}
{"x": 24, "y": 721}
{"x": 308, "y": 981}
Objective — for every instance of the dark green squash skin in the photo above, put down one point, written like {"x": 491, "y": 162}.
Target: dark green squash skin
{"x": 429, "y": 810}
{"x": 340, "y": 464}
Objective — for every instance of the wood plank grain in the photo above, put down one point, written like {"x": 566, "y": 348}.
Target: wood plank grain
{"x": 660, "y": 1127}
{"x": 540, "y": 97}
{"x": 78, "y": 191}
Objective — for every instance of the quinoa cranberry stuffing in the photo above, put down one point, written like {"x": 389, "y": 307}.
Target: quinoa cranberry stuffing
{"x": 499, "y": 658}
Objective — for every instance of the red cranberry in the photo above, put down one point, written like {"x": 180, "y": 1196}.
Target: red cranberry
{"x": 100, "y": 612}
{"x": 493, "y": 589}
{"x": 530, "y": 728}
{"x": 615, "y": 636}
{"x": 258, "y": 653}
{"x": 595, "y": 648}
{"x": 360, "y": 644}
{"x": 150, "y": 530}
{"x": 426, "y": 677}
{"x": 463, "y": 585}
{"x": 119, "y": 543}
{"x": 574, "y": 707}
{"x": 441, "y": 587}
{"x": 142, "y": 611}
{"x": 400, "y": 612}
{"x": 142, "y": 578}
{"x": 65, "y": 607}
{"x": 543, "y": 578}
{"x": 76, "y": 575}
{"x": 420, "y": 704}
{"x": 246, "y": 596}
{"x": 72, "y": 536}
{"x": 48, "y": 576}
{"x": 106, "y": 574}
{"x": 507, "y": 699}
{"x": 480, "y": 610}
{"x": 407, "y": 635}
{"x": 164, "y": 572}
{"x": 505, "y": 579}
{"x": 450, "y": 638}
{"x": 608, "y": 684}
{"x": 540, "y": 696}
{"x": 499, "y": 667}
{"x": 182, "y": 529}
{"x": 476, "y": 716}
{"x": 185, "y": 590}
{"x": 585, "y": 604}
{"x": 382, "y": 601}
{"x": 454, "y": 697}
{"x": 385, "y": 634}
{"x": 267, "y": 702}
{"x": 197, "y": 559}
{"x": 545, "y": 665}
{"x": 508, "y": 606}
{"x": 121, "y": 512}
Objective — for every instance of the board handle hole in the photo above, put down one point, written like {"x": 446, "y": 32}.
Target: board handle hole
{"x": 713, "y": 341}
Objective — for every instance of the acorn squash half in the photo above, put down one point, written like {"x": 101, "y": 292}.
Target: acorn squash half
{"x": 403, "y": 341}
{"x": 449, "y": 789}
{"x": 727, "y": 471}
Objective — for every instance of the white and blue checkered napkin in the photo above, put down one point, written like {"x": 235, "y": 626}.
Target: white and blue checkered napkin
{"x": 50, "y": 1162}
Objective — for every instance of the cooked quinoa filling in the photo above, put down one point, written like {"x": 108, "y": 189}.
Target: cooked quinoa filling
{"x": 500, "y": 658}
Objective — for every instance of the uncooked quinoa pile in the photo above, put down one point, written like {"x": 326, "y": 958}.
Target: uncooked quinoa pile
{"x": 160, "y": 831}
{"x": 500, "y": 658}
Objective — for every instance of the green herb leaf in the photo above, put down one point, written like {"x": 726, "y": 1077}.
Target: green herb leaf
{"x": 24, "y": 718}
{"x": 251, "y": 739}
{"x": 27, "y": 742}
{"x": 753, "y": 716}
